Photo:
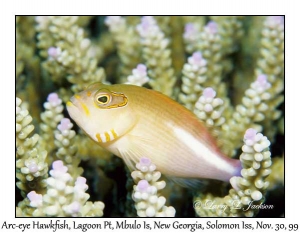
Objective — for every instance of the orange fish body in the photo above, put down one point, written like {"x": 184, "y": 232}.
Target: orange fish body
{"x": 134, "y": 122}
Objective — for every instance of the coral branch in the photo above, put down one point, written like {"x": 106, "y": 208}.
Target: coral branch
{"x": 127, "y": 40}
{"x": 64, "y": 43}
{"x": 192, "y": 82}
{"x": 50, "y": 118}
{"x": 31, "y": 165}
{"x": 209, "y": 109}
{"x": 139, "y": 76}
{"x": 145, "y": 194}
{"x": 254, "y": 108}
{"x": 66, "y": 148}
{"x": 250, "y": 188}
{"x": 65, "y": 196}
{"x": 156, "y": 55}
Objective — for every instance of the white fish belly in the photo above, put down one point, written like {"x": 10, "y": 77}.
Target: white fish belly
{"x": 175, "y": 153}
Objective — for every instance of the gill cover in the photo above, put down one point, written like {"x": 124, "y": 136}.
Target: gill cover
{"x": 116, "y": 113}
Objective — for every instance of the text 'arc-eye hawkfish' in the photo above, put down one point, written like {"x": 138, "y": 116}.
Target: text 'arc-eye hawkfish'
{"x": 134, "y": 122}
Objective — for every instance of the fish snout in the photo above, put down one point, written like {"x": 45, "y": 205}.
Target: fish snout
{"x": 77, "y": 101}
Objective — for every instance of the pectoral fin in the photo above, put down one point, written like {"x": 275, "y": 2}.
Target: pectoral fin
{"x": 139, "y": 147}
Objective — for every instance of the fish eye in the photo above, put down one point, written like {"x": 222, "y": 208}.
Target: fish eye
{"x": 106, "y": 99}
{"x": 103, "y": 99}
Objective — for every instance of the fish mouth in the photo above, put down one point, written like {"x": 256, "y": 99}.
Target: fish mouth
{"x": 70, "y": 104}
{"x": 74, "y": 102}
{"x": 73, "y": 108}
{"x": 80, "y": 106}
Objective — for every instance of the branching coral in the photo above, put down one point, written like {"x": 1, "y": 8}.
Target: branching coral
{"x": 209, "y": 64}
{"x": 145, "y": 194}
{"x": 208, "y": 42}
{"x": 248, "y": 191}
{"x": 157, "y": 55}
{"x": 231, "y": 30}
{"x": 254, "y": 108}
{"x": 271, "y": 63}
{"x": 65, "y": 142}
{"x": 209, "y": 109}
{"x": 192, "y": 82}
{"x": 127, "y": 39}
{"x": 139, "y": 76}
{"x": 64, "y": 196}
{"x": 58, "y": 197}
{"x": 62, "y": 41}
{"x": 50, "y": 118}
{"x": 31, "y": 162}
